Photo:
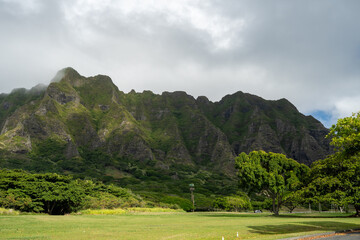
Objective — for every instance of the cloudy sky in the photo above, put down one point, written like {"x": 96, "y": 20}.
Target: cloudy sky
{"x": 303, "y": 50}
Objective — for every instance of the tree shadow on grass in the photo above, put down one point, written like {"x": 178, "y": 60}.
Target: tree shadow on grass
{"x": 236, "y": 215}
{"x": 324, "y": 226}
{"x": 348, "y": 215}
{"x": 253, "y": 215}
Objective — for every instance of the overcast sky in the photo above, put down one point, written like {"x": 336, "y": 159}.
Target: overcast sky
{"x": 305, "y": 51}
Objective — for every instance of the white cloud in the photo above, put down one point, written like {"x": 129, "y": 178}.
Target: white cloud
{"x": 306, "y": 51}
{"x": 85, "y": 15}
{"x": 346, "y": 106}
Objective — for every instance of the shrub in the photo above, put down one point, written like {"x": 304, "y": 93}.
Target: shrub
{"x": 157, "y": 209}
{"x": 232, "y": 203}
{"x": 116, "y": 211}
{"x": 5, "y": 211}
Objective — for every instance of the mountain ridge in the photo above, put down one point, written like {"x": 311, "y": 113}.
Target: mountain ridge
{"x": 86, "y": 125}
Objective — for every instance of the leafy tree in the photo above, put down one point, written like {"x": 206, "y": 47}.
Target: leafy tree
{"x": 293, "y": 199}
{"x": 58, "y": 194}
{"x": 271, "y": 174}
{"x": 345, "y": 135}
{"x": 232, "y": 203}
{"x": 336, "y": 179}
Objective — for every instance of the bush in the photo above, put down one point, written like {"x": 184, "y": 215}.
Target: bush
{"x": 182, "y": 202}
{"x": 104, "y": 200}
{"x": 261, "y": 205}
{"x": 232, "y": 203}
{"x": 4, "y": 211}
{"x": 120, "y": 211}
{"x": 117, "y": 211}
{"x": 153, "y": 210}
{"x": 58, "y": 194}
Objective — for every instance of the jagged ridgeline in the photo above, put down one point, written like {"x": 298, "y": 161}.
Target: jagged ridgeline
{"x": 87, "y": 127}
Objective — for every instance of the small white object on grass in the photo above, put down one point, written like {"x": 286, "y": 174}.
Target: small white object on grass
{"x": 223, "y": 238}
{"x": 237, "y": 234}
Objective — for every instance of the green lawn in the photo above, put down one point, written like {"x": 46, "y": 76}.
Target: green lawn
{"x": 170, "y": 226}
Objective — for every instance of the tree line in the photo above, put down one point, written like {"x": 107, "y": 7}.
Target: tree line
{"x": 59, "y": 194}
{"x": 272, "y": 179}
{"x": 334, "y": 180}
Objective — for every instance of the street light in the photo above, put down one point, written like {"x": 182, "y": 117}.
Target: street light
{"x": 192, "y": 188}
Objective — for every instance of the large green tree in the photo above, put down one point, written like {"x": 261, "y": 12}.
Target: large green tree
{"x": 58, "y": 194}
{"x": 345, "y": 135}
{"x": 336, "y": 179}
{"x": 271, "y": 174}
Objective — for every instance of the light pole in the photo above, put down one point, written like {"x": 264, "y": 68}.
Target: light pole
{"x": 192, "y": 188}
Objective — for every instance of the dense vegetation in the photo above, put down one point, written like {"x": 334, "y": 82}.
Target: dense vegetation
{"x": 270, "y": 179}
{"x": 17, "y": 98}
{"x": 156, "y": 145}
{"x": 88, "y": 128}
{"x": 334, "y": 181}
{"x": 58, "y": 194}
{"x": 272, "y": 174}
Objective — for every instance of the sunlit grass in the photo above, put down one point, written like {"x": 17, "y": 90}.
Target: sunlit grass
{"x": 120, "y": 211}
{"x": 170, "y": 226}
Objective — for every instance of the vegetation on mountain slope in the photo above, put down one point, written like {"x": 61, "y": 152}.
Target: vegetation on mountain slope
{"x": 148, "y": 142}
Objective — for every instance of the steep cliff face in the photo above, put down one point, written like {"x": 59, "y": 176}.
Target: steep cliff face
{"x": 252, "y": 123}
{"x": 179, "y": 132}
{"x": 83, "y": 121}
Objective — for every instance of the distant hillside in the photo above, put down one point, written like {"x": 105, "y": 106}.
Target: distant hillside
{"x": 87, "y": 127}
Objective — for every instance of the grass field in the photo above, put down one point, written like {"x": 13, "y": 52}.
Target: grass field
{"x": 171, "y": 226}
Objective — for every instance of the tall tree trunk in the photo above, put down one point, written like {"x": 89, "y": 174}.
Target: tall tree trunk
{"x": 52, "y": 208}
{"x": 357, "y": 208}
{"x": 278, "y": 203}
{"x": 275, "y": 206}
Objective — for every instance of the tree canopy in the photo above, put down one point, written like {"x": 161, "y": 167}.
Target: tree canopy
{"x": 345, "y": 135}
{"x": 58, "y": 194}
{"x": 336, "y": 179}
{"x": 271, "y": 174}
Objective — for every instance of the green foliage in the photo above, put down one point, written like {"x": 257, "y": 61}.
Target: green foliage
{"x": 167, "y": 201}
{"x": 137, "y": 209}
{"x": 106, "y": 200}
{"x": 110, "y": 131}
{"x": 185, "y": 204}
{"x": 336, "y": 179}
{"x": 17, "y": 98}
{"x": 98, "y": 90}
{"x": 233, "y": 203}
{"x": 50, "y": 148}
{"x": 5, "y": 211}
{"x": 50, "y": 193}
{"x": 345, "y": 135}
{"x": 261, "y": 205}
{"x": 293, "y": 200}
{"x": 58, "y": 194}
{"x": 272, "y": 174}
{"x": 116, "y": 211}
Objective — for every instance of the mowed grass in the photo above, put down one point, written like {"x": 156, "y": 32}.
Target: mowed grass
{"x": 170, "y": 226}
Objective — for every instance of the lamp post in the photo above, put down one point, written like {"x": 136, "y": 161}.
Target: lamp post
{"x": 192, "y": 188}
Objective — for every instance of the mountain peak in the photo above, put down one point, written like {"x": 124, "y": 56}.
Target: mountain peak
{"x": 66, "y": 73}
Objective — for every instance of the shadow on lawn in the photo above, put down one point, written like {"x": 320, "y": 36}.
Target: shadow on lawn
{"x": 236, "y": 215}
{"x": 302, "y": 227}
{"x": 349, "y": 215}
{"x": 240, "y": 215}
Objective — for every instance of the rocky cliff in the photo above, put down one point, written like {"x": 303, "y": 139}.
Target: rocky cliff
{"x": 78, "y": 123}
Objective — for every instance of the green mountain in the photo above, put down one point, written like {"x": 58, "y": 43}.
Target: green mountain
{"x": 145, "y": 141}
